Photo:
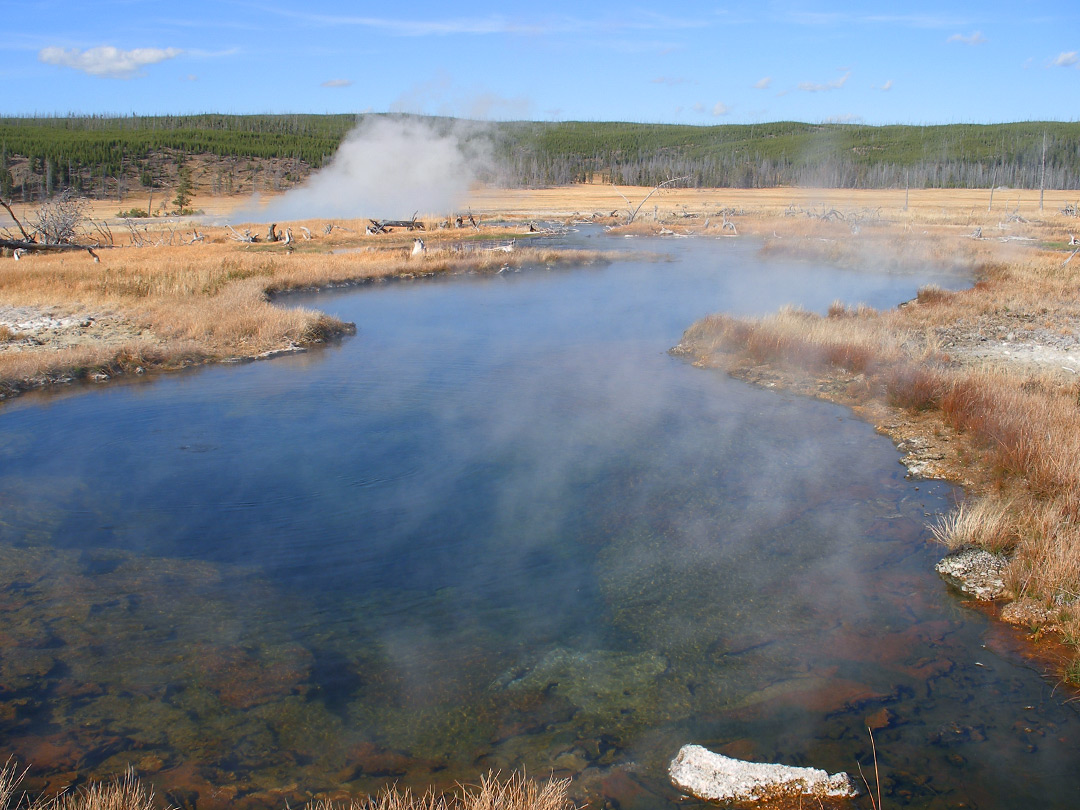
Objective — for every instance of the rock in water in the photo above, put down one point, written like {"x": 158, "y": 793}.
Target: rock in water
{"x": 714, "y": 777}
{"x": 976, "y": 572}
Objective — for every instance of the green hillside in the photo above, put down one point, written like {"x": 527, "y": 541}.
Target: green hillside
{"x": 101, "y": 156}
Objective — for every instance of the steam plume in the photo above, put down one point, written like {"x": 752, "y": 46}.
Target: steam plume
{"x": 387, "y": 168}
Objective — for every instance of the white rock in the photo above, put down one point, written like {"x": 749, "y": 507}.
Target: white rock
{"x": 976, "y": 572}
{"x": 714, "y": 777}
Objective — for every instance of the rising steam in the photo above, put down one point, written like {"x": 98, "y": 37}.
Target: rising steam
{"x": 387, "y": 168}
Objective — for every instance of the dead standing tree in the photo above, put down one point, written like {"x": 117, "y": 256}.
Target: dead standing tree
{"x": 632, "y": 210}
{"x": 56, "y": 222}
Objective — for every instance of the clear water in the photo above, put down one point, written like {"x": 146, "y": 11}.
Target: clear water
{"x": 499, "y": 528}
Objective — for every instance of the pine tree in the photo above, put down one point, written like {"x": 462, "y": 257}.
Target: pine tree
{"x": 183, "y": 190}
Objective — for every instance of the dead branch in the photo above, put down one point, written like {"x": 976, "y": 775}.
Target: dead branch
{"x": 59, "y": 219}
{"x": 633, "y": 212}
{"x": 11, "y": 214}
{"x": 104, "y": 231}
{"x": 136, "y": 237}
{"x": 307, "y": 233}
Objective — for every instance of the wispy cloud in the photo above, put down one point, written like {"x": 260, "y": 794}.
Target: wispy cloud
{"x": 106, "y": 60}
{"x": 334, "y": 83}
{"x": 1065, "y": 59}
{"x": 720, "y": 108}
{"x": 671, "y": 81}
{"x": 835, "y": 84}
{"x": 916, "y": 20}
{"x": 847, "y": 118}
{"x": 887, "y": 86}
{"x": 763, "y": 83}
{"x": 830, "y": 18}
{"x": 491, "y": 24}
{"x": 974, "y": 38}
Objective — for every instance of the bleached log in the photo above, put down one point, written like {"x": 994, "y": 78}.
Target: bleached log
{"x": 35, "y": 247}
{"x": 246, "y": 236}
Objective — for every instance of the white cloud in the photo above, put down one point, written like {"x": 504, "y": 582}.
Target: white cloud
{"x": 763, "y": 83}
{"x": 975, "y": 38}
{"x": 337, "y": 83}
{"x": 720, "y": 108}
{"x": 847, "y": 118}
{"x": 1066, "y": 59}
{"x": 887, "y": 86}
{"x": 671, "y": 81}
{"x": 105, "y": 60}
{"x": 835, "y": 84}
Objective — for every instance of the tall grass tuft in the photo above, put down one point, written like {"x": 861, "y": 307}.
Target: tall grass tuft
{"x": 493, "y": 793}
{"x": 984, "y": 522}
{"x": 123, "y": 793}
{"x": 129, "y": 793}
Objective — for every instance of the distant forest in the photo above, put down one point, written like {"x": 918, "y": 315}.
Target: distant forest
{"x": 114, "y": 156}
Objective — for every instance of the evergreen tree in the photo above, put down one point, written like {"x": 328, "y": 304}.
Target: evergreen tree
{"x": 183, "y": 189}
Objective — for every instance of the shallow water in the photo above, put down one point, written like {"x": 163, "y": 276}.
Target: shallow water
{"x": 499, "y": 528}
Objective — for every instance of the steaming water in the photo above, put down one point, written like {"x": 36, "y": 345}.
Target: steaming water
{"x": 499, "y": 528}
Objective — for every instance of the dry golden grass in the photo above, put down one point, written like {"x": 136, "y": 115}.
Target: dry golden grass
{"x": 952, "y": 206}
{"x": 930, "y": 357}
{"x": 125, "y": 793}
{"x": 185, "y": 303}
{"x": 515, "y": 793}
{"x": 129, "y": 793}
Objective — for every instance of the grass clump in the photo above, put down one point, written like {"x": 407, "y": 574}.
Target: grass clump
{"x": 515, "y": 793}
{"x": 129, "y": 793}
{"x": 984, "y": 522}
{"x": 124, "y": 793}
{"x": 1072, "y": 672}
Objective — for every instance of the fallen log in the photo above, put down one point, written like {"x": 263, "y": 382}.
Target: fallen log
{"x": 38, "y": 247}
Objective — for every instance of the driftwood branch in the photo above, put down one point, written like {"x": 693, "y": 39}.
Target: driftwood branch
{"x": 246, "y": 236}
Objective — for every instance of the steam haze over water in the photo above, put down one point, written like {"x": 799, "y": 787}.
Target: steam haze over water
{"x": 499, "y": 528}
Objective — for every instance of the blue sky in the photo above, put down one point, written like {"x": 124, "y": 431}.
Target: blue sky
{"x": 689, "y": 62}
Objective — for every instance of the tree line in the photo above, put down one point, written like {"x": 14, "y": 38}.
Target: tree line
{"x": 98, "y": 155}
